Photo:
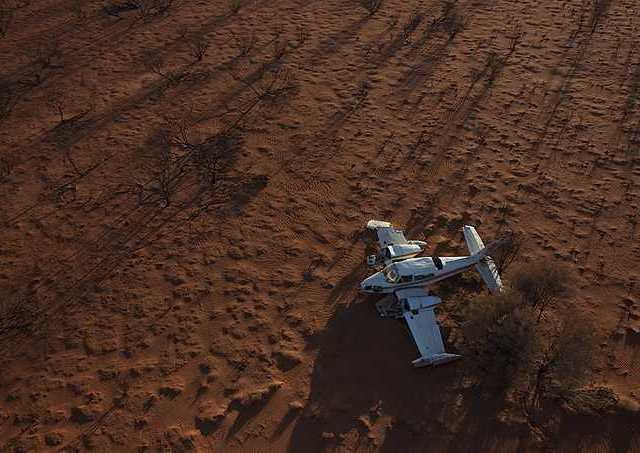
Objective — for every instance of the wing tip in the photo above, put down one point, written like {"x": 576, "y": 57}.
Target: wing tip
{"x": 374, "y": 224}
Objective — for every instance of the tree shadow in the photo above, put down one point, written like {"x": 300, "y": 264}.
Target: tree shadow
{"x": 365, "y": 395}
{"x": 577, "y": 432}
{"x": 363, "y": 370}
{"x": 284, "y": 423}
{"x": 246, "y": 412}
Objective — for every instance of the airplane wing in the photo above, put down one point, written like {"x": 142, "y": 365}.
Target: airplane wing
{"x": 387, "y": 234}
{"x": 418, "y": 310}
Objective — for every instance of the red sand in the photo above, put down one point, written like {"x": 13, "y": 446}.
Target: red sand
{"x": 229, "y": 319}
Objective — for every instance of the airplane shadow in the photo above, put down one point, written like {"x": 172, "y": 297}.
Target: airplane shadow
{"x": 365, "y": 394}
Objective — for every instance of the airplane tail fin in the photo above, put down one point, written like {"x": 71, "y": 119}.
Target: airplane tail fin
{"x": 485, "y": 267}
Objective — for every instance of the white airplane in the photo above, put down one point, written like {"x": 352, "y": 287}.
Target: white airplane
{"x": 408, "y": 279}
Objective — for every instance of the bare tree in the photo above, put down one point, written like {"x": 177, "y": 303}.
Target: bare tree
{"x": 372, "y": 6}
{"x": 302, "y": 34}
{"x": 507, "y": 252}
{"x": 542, "y": 283}
{"x": 280, "y": 45}
{"x": 56, "y": 101}
{"x": 178, "y": 130}
{"x": 245, "y": 43}
{"x": 565, "y": 360}
{"x": 515, "y": 37}
{"x": 153, "y": 62}
{"x": 452, "y": 22}
{"x": 47, "y": 57}
{"x": 198, "y": 45}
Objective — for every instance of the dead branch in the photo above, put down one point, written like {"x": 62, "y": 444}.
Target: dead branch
{"x": 372, "y": 6}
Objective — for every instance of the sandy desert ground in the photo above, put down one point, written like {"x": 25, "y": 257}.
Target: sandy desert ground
{"x": 184, "y": 191}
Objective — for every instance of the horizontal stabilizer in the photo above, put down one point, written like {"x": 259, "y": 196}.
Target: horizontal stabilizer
{"x": 435, "y": 360}
{"x": 374, "y": 224}
{"x": 489, "y": 273}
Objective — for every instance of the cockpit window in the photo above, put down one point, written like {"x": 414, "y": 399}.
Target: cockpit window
{"x": 391, "y": 274}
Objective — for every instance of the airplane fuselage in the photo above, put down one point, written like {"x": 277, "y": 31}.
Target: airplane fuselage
{"x": 416, "y": 272}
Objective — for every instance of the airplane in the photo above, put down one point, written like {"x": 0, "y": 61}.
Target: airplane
{"x": 407, "y": 278}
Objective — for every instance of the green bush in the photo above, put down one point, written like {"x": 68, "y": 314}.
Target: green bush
{"x": 500, "y": 335}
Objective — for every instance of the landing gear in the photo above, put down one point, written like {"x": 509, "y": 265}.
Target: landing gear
{"x": 389, "y": 307}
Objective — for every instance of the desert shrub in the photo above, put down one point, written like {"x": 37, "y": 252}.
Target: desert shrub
{"x": 372, "y": 6}
{"x": 245, "y": 43}
{"x": 212, "y": 155}
{"x": 541, "y": 283}
{"x": 412, "y": 23}
{"x": 590, "y": 401}
{"x": 452, "y": 22}
{"x": 147, "y": 9}
{"x": 566, "y": 360}
{"x": 155, "y": 62}
{"x": 500, "y": 336}
{"x": 115, "y": 8}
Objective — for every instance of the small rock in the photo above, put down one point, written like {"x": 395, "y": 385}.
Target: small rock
{"x": 209, "y": 419}
{"x": 170, "y": 391}
{"x": 140, "y": 423}
{"x": 205, "y": 368}
{"x": 261, "y": 395}
{"x": 175, "y": 280}
{"x": 296, "y": 405}
{"x": 328, "y": 435}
